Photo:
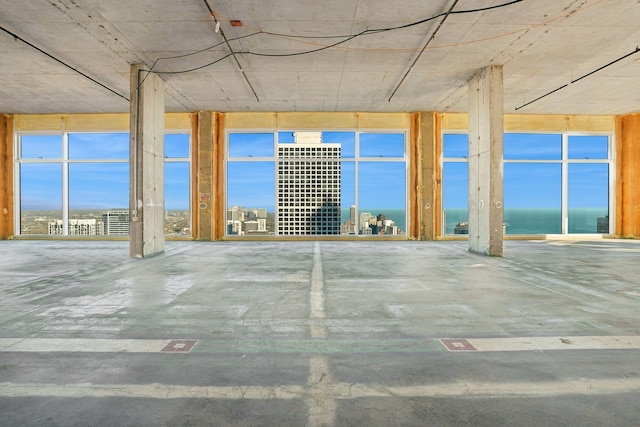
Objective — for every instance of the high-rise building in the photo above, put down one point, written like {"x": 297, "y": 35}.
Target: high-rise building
{"x": 308, "y": 193}
{"x": 116, "y": 222}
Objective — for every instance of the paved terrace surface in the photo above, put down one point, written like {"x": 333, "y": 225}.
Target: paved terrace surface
{"x": 320, "y": 333}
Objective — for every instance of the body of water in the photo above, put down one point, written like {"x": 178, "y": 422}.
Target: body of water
{"x": 541, "y": 221}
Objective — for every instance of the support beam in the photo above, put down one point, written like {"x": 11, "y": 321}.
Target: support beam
{"x": 628, "y": 176}
{"x": 146, "y": 201}
{"x": 6, "y": 177}
{"x": 210, "y": 210}
{"x": 486, "y": 131}
{"x": 424, "y": 203}
{"x": 204, "y": 177}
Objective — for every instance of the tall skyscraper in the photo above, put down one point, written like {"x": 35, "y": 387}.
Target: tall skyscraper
{"x": 308, "y": 193}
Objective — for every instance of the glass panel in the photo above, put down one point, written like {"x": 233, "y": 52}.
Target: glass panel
{"x": 455, "y": 145}
{"x": 588, "y": 198}
{"x": 177, "y": 199}
{"x": 455, "y": 197}
{"x": 250, "y": 145}
{"x": 589, "y": 147}
{"x": 347, "y": 141}
{"x": 381, "y": 145}
{"x": 532, "y": 198}
{"x": 41, "y": 146}
{"x": 526, "y": 146}
{"x": 176, "y": 145}
{"x": 99, "y": 146}
{"x": 382, "y": 198}
{"x": 99, "y": 199}
{"x": 41, "y": 198}
{"x": 349, "y": 217}
{"x": 286, "y": 137}
{"x": 250, "y": 198}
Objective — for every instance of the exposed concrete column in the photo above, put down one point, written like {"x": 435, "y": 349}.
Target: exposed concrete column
{"x": 146, "y": 185}
{"x": 628, "y": 174}
{"x": 6, "y": 177}
{"x": 486, "y": 131}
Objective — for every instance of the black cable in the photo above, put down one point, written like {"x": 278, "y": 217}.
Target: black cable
{"x": 233, "y": 53}
{"x": 16, "y": 37}
{"x": 190, "y": 69}
{"x": 433, "y": 36}
{"x": 580, "y": 78}
{"x": 412, "y": 24}
{"x": 346, "y": 38}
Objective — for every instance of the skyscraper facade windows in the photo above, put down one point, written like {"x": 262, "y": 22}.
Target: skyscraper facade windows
{"x": 308, "y": 187}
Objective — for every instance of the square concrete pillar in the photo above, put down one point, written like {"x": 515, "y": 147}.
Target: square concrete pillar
{"x": 146, "y": 185}
{"x": 486, "y": 136}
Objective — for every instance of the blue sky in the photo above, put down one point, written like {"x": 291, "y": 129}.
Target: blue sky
{"x": 535, "y": 185}
{"x": 251, "y": 182}
{"x": 102, "y": 183}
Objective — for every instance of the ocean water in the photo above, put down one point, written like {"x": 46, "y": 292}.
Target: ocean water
{"x": 539, "y": 220}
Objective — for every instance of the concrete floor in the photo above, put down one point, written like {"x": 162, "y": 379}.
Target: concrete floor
{"x": 320, "y": 333}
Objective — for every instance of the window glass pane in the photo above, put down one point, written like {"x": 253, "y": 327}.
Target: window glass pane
{"x": 41, "y": 146}
{"x": 286, "y": 137}
{"x": 250, "y": 198}
{"x": 177, "y": 199}
{"x": 99, "y": 199}
{"x": 349, "y": 217}
{"x": 588, "y": 198}
{"x": 98, "y": 146}
{"x": 532, "y": 198}
{"x": 381, "y": 145}
{"x": 455, "y": 145}
{"x": 382, "y": 198}
{"x": 347, "y": 141}
{"x": 176, "y": 145}
{"x": 589, "y": 147}
{"x": 455, "y": 197}
{"x": 40, "y": 198}
{"x": 250, "y": 145}
{"x": 527, "y": 146}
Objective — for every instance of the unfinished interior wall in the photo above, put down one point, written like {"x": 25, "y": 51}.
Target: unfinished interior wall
{"x": 6, "y": 177}
{"x": 628, "y": 176}
{"x": 426, "y": 176}
{"x": 422, "y": 127}
{"x": 208, "y": 210}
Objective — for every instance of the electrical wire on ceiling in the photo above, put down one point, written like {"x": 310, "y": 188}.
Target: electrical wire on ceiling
{"x": 60, "y": 61}
{"x": 345, "y": 39}
{"x": 233, "y": 53}
{"x": 433, "y": 36}
{"x": 637, "y": 49}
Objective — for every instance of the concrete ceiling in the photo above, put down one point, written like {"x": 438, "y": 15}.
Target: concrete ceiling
{"x": 543, "y": 45}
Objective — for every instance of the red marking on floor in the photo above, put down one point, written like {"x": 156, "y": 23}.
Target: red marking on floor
{"x": 457, "y": 345}
{"x": 182, "y": 346}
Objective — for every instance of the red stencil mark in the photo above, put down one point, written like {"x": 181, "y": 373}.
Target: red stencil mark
{"x": 180, "y": 346}
{"x": 457, "y": 345}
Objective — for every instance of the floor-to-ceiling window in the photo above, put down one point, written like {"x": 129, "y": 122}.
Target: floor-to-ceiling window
{"x": 290, "y": 183}
{"x": 554, "y": 183}
{"x": 455, "y": 183}
{"x": 77, "y": 184}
